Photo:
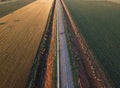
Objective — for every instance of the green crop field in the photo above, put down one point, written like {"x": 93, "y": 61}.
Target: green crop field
{"x": 6, "y": 8}
{"x": 99, "y": 23}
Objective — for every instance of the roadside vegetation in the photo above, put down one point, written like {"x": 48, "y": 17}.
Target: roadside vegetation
{"x": 11, "y": 6}
{"x": 99, "y": 23}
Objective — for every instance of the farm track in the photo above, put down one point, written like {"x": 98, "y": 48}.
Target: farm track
{"x": 63, "y": 59}
{"x": 20, "y": 35}
{"x": 90, "y": 75}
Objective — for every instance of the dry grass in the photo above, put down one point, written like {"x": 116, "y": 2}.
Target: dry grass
{"x": 20, "y": 34}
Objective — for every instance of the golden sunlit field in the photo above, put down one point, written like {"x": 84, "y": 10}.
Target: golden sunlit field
{"x": 20, "y": 35}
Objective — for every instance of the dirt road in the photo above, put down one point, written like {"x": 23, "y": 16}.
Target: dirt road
{"x": 65, "y": 68}
{"x": 20, "y": 35}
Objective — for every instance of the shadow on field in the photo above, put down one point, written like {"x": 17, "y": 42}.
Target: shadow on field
{"x": 9, "y": 7}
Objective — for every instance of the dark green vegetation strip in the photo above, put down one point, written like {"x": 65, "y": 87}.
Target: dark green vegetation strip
{"x": 99, "y": 23}
{"x": 9, "y": 7}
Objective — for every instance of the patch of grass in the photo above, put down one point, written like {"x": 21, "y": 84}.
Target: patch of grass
{"x": 9, "y": 7}
{"x": 99, "y": 23}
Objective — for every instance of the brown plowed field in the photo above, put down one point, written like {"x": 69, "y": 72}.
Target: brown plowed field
{"x": 20, "y": 35}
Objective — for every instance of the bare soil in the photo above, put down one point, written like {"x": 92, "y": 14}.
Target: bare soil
{"x": 20, "y": 35}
